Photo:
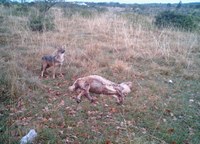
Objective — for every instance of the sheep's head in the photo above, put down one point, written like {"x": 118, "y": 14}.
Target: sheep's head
{"x": 71, "y": 88}
{"x": 126, "y": 87}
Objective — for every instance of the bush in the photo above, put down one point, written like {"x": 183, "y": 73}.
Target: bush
{"x": 138, "y": 20}
{"x": 5, "y": 3}
{"x": 41, "y": 23}
{"x": 83, "y": 11}
{"x": 172, "y": 19}
{"x": 21, "y": 10}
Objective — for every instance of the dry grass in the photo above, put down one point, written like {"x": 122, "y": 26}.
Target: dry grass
{"x": 108, "y": 45}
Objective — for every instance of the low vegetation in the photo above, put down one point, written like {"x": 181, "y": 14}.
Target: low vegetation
{"x": 173, "y": 19}
{"x": 41, "y": 23}
{"x": 163, "y": 64}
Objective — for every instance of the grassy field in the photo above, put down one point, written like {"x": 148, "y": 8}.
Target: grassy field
{"x": 163, "y": 64}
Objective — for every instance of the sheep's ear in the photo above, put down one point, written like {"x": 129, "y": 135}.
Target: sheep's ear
{"x": 128, "y": 84}
{"x": 71, "y": 88}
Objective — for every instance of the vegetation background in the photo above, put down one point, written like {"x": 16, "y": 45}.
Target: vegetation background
{"x": 119, "y": 42}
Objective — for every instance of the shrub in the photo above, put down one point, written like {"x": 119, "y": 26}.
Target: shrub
{"x": 41, "y": 23}
{"x": 6, "y": 3}
{"x": 138, "y": 20}
{"x": 83, "y": 11}
{"x": 21, "y": 10}
{"x": 36, "y": 23}
{"x": 172, "y": 19}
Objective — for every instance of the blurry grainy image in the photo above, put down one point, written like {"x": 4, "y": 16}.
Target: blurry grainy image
{"x": 144, "y": 53}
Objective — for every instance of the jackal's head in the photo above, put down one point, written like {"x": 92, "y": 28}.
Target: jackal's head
{"x": 60, "y": 51}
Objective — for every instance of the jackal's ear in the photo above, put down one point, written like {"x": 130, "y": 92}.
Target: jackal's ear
{"x": 128, "y": 84}
{"x": 60, "y": 49}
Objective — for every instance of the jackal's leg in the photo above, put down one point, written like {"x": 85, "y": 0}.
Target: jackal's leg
{"x": 54, "y": 71}
{"x": 42, "y": 73}
{"x": 60, "y": 69}
{"x": 43, "y": 69}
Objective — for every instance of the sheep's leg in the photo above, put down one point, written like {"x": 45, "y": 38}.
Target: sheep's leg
{"x": 120, "y": 97}
{"x": 89, "y": 97}
{"x": 117, "y": 98}
{"x": 87, "y": 93}
{"x": 78, "y": 98}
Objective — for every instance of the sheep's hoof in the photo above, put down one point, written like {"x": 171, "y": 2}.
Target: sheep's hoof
{"x": 92, "y": 101}
{"x": 78, "y": 100}
{"x": 119, "y": 103}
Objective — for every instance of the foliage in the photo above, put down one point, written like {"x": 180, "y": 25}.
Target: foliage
{"x": 41, "y": 23}
{"x": 173, "y": 19}
{"x": 138, "y": 20}
{"x": 5, "y": 2}
{"x": 45, "y": 5}
{"x": 4, "y": 113}
{"x": 84, "y": 11}
{"x": 179, "y": 5}
{"x": 21, "y": 9}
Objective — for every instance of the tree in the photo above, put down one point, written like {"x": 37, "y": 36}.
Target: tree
{"x": 169, "y": 5}
{"x": 42, "y": 21}
{"x": 5, "y": 2}
{"x": 179, "y": 5}
{"x": 45, "y": 5}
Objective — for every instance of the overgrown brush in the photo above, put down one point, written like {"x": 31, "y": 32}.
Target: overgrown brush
{"x": 139, "y": 20}
{"x": 41, "y": 23}
{"x": 83, "y": 11}
{"x": 176, "y": 20}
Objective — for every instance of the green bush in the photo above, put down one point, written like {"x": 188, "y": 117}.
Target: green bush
{"x": 36, "y": 23}
{"x": 83, "y": 11}
{"x": 172, "y": 19}
{"x": 41, "y": 23}
{"x": 21, "y": 10}
{"x": 6, "y": 3}
{"x": 138, "y": 20}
